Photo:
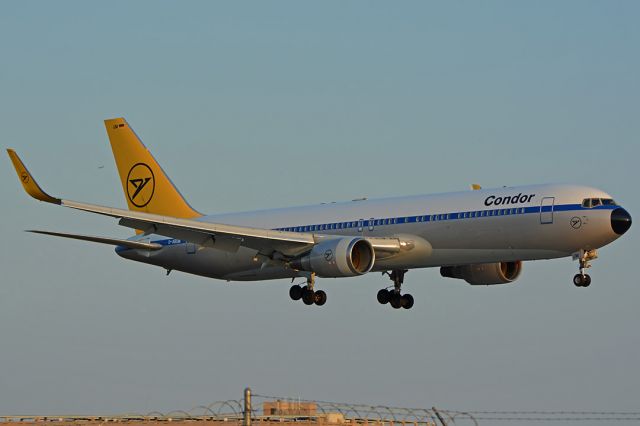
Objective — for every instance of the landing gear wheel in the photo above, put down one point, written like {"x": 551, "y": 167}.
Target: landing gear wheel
{"x": 320, "y": 297}
{"x": 383, "y": 297}
{"x": 577, "y": 280}
{"x": 407, "y": 301}
{"x": 581, "y": 280}
{"x": 394, "y": 296}
{"x": 308, "y": 297}
{"x": 396, "y": 301}
{"x": 295, "y": 292}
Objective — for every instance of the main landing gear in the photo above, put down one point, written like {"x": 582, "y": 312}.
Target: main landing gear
{"x": 393, "y": 296}
{"x": 307, "y": 294}
{"x": 584, "y": 258}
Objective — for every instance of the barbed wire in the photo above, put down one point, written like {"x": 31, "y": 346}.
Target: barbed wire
{"x": 234, "y": 409}
{"x": 423, "y": 415}
{"x": 558, "y": 419}
{"x": 595, "y": 413}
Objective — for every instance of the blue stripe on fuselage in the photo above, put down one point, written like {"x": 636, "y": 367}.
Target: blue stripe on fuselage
{"x": 389, "y": 221}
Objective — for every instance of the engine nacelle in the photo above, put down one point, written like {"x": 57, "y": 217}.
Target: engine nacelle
{"x": 484, "y": 273}
{"x": 340, "y": 257}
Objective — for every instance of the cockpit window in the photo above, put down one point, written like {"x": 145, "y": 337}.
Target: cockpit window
{"x": 595, "y": 202}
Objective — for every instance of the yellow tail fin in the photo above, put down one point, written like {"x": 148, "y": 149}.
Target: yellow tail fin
{"x": 146, "y": 187}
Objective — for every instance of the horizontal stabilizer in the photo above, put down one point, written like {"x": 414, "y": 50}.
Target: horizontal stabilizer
{"x": 103, "y": 240}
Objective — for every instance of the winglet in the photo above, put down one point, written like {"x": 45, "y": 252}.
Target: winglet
{"x": 475, "y": 187}
{"x": 28, "y": 182}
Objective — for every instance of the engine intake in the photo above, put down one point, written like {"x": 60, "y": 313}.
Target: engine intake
{"x": 341, "y": 257}
{"x": 484, "y": 273}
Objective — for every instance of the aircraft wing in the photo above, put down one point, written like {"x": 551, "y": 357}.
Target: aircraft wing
{"x": 222, "y": 236}
{"x": 225, "y": 237}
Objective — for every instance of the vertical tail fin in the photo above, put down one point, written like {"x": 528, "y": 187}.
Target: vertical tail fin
{"x": 146, "y": 186}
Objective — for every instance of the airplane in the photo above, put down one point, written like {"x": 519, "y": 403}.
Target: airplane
{"x": 481, "y": 236}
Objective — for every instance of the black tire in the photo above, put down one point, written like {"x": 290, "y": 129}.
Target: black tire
{"x": 295, "y": 292}
{"x": 396, "y": 301}
{"x": 578, "y": 280}
{"x": 407, "y": 301}
{"x": 308, "y": 297}
{"x": 383, "y": 297}
{"x": 320, "y": 298}
{"x": 587, "y": 281}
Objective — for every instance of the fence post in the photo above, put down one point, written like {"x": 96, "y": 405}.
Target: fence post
{"x": 247, "y": 407}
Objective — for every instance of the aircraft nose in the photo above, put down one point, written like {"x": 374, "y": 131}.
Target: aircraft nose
{"x": 620, "y": 221}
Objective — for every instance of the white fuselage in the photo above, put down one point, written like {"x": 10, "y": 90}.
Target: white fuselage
{"x": 491, "y": 225}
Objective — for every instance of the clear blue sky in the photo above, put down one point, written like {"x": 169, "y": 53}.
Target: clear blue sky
{"x": 266, "y": 104}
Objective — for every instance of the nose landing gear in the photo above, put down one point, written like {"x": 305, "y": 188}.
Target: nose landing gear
{"x": 307, "y": 293}
{"x": 393, "y": 296}
{"x": 584, "y": 258}
{"x": 581, "y": 280}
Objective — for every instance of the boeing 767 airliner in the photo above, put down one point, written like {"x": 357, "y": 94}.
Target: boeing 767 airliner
{"x": 480, "y": 236}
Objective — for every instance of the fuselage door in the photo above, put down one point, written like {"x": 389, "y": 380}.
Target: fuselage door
{"x": 546, "y": 210}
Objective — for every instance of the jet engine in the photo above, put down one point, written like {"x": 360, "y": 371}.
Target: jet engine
{"x": 340, "y": 257}
{"x": 484, "y": 273}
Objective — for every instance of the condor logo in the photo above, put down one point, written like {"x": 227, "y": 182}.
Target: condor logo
{"x": 141, "y": 185}
{"x": 328, "y": 255}
{"x": 492, "y": 200}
